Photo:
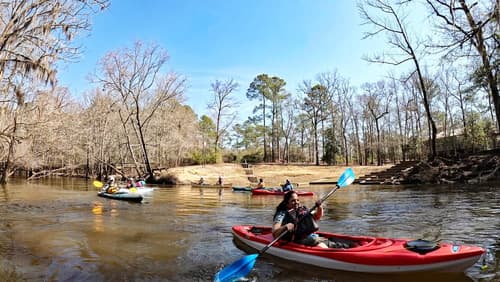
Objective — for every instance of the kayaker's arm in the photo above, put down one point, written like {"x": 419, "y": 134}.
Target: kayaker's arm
{"x": 278, "y": 228}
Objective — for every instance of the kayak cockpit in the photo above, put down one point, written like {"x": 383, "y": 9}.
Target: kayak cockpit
{"x": 335, "y": 241}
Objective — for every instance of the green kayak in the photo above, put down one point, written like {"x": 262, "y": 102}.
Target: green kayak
{"x": 125, "y": 196}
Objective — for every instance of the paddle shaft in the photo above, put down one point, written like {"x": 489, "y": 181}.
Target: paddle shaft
{"x": 286, "y": 231}
{"x": 273, "y": 242}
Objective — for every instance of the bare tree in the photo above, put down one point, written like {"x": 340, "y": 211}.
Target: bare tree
{"x": 399, "y": 40}
{"x": 222, "y": 108}
{"x": 471, "y": 30}
{"x": 34, "y": 35}
{"x": 332, "y": 82}
{"x": 377, "y": 102}
{"x": 133, "y": 75}
{"x": 289, "y": 118}
{"x": 315, "y": 106}
{"x": 100, "y": 119}
{"x": 345, "y": 115}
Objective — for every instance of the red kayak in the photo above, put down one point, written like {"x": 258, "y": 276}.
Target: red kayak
{"x": 279, "y": 192}
{"x": 365, "y": 254}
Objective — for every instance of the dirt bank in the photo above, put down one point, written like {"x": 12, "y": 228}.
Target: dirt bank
{"x": 473, "y": 169}
{"x": 272, "y": 174}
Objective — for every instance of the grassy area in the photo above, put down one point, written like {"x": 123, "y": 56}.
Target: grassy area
{"x": 273, "y": 174}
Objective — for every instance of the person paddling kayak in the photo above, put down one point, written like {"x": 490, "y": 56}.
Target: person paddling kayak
{"x": 292, "y": 217}
{"x": 287, "y": 186}
{"x": 260, "y": 185}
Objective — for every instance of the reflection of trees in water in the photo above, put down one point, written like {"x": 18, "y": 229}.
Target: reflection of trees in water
{"x": 7, "y": 246}
{"x": 97, "y": 210}
{"x": 5, "y": 193}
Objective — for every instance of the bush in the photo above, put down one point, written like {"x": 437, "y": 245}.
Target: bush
{"x": 252, "y": 158}
{"x": 203, "y": 158}
{"x": 167, "y": 179}
{"x": 230, "y": 158}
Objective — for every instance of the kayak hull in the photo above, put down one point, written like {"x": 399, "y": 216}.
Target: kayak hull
{"x": 131, "y": 197}
{"x": 279, "y": 193}
{"x": 366, "y": 254}
{"x": 242, "y": 189}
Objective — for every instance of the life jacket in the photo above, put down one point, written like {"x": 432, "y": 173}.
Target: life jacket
{"x": 303, "y": 221}
{"x": 111, "y": 190}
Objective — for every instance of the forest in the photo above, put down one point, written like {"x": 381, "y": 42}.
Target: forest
{"x": 135, "y": 118}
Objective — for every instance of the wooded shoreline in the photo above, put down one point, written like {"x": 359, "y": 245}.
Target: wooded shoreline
{"x": 478, "y": 168}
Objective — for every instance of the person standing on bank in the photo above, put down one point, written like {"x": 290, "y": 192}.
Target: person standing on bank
{"x": 292, "y": 217}
{"x": 220, "y": 181}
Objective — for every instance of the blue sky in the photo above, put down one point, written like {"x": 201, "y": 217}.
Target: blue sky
{"x": 239, "y": 39}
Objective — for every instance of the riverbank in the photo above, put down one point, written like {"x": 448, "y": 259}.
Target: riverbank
{"x": 473, "y": 169}
{"x": 273, "y": 174}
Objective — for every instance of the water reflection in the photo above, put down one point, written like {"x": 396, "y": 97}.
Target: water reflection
{"x": 4, "y": 196}
{"x": 61, "y": 230}
{"x": 98, "y": 222}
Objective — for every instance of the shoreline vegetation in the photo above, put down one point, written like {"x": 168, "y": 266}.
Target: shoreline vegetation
{"x": 472, "y": 169}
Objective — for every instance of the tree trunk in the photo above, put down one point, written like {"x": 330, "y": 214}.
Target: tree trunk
{"x": 491, "y": 77}
{"x": 264, "y": 126}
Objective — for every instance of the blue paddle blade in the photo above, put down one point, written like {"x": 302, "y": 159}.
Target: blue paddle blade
{"x": 237, "y": 269}
{"x": 346, "y": 178}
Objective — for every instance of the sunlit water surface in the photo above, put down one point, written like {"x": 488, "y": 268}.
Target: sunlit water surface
{"x": 59, "y": 230}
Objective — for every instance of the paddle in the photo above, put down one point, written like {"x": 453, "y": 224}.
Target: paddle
{"x": 97, "y": 183}
{"x": 243, "y": 266}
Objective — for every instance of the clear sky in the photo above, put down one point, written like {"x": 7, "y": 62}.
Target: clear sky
{"x": 240, "y": 39}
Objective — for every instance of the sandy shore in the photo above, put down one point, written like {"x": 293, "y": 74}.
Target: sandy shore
{"x": 273, "y": 174}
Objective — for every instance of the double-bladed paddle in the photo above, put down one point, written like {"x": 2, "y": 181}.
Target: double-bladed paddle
{"x": 97, "y": 183}
{"x": 243, "y": 266}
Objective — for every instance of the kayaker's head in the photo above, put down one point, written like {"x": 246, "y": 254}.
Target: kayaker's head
{"x": 291, "y": 199}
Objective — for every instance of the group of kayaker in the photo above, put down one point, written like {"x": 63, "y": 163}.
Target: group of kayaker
{"x": 288, "y": 186}
{"x": 111, "y": 186}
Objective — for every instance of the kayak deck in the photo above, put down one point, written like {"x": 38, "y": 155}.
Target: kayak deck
{"x": 363, "y": 253}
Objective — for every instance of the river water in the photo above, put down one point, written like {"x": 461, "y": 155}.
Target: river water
{"x": 59, "y": 230}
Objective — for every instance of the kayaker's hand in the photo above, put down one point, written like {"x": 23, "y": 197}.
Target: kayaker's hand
{"x": 289, "y": 226}
{"x": 318, "y": 203}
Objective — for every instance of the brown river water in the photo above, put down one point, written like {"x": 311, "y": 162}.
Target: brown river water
{"x": 59, "y": 230}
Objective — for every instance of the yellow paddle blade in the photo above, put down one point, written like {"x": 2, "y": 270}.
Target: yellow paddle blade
{"x": 97, "y": 183}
